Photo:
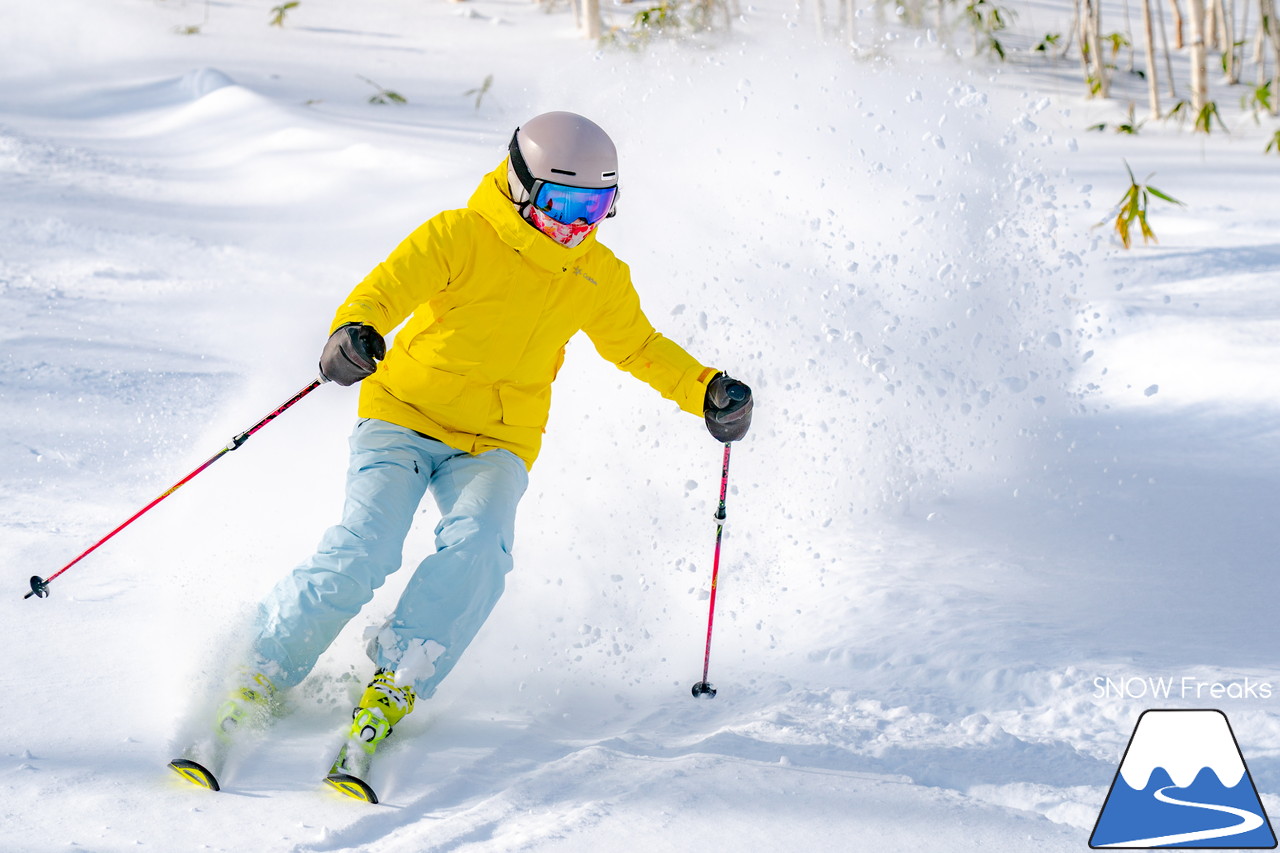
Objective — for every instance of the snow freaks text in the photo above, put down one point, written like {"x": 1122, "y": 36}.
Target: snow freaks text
{"x": 1186, "y": 687}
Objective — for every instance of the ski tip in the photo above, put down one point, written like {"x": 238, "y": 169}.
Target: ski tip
{"x": 349, "y": 785}
{"x": 194, "y": 773}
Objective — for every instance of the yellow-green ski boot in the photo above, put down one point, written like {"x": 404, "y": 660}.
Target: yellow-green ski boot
{"x": 251, "y": 705}
{"x": 382, "y": 706}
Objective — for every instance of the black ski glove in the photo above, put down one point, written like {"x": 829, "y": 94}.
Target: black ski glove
{"x": 727, "y": 408}
{"x": 352, "y": 353}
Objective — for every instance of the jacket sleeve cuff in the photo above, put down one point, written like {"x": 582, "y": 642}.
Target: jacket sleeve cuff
{"x": 697, "y": 391}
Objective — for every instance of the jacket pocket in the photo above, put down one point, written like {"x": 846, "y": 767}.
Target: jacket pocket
{"x": 525, "y": 407}
{"x": 421, "y": 385}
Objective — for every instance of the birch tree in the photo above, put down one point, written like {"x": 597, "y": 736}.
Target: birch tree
{"x": 590, "y": 17}
{"x": 1168, "y": 58}
{"x": 1271, "y": 27}
{"x": 1153, "y": 88}
{"x": 1227, "y": 40}
{"x": 1199, "y": 71}
{"x": 1093, "y": 54}
{"x": 1177, "y": 24}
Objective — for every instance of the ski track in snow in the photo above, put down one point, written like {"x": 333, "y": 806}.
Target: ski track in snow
{"x": 993, "y": 459}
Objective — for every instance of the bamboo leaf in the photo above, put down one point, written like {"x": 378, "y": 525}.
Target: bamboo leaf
{"x": 1135, "y": 204}
{"x": 278, "y": 13}
{"x": 1122, "y": 228}
{"x": 1163, "y": 196}
{"x": 1148, "y": 236}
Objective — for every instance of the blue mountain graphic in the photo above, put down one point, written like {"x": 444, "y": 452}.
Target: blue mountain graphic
{"x": 1130, "y": 814}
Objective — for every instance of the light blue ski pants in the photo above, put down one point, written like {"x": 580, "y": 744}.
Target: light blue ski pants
{"x": 451, "y": 592}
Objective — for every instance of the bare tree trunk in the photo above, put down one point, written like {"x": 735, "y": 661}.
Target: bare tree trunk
{"x": 1227, "y": 8}
{"x": 1272, "y": 27}
{"x": 1153, "y": 87}
{"x": 1199, "y": 73}
{"x": 1128, "y": 28}
{"x": 591, "y": 12}
{"x": 1260, "y": 58}
{"x": 1274, "y": 31}
{"x": 1177, "y": 24}
{"x": 1100, "y": 84}
{"x": 1082, "y": 27}
{"x": 1241, "y": 26}
{"x": 1168, "y": 60}
{"x": 1210, "y": 27}
{"x": 1260, "y": 44}
{"x": 1072, "y": 32}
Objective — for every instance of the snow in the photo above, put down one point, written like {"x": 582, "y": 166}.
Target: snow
{"x": 1003, "y": 474}
{"x": 1198, "y": 739}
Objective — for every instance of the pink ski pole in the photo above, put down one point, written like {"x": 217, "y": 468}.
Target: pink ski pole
{"x": 702, "y": 688}
{"x": 40, "y": 586}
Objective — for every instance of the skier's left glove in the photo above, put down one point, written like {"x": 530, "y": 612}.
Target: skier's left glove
{"x": 727, "y": 408}
{"x": 352, "y": 353}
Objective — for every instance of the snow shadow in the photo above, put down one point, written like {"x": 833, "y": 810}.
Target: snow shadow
{"x": 1153, "y": 535}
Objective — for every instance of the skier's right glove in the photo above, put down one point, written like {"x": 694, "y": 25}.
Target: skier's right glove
{"x": 352, "y": 353}
{"x": 727, "y": 408}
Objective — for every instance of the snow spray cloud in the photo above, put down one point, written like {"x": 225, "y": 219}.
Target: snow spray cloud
{"x": 876, "y": 247}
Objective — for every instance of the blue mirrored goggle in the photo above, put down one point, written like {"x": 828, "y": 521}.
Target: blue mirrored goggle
{"x": 570, "y": 204}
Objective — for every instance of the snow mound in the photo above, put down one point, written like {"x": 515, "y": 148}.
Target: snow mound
{"x": 202, "y": 81}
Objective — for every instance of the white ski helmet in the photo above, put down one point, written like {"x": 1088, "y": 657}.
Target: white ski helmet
{"x": 564, "y": 151}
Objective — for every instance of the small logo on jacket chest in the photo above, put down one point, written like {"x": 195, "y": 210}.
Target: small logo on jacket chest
{"x": 579, "y": 271}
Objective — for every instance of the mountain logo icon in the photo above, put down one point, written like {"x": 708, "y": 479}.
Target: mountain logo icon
{"x": 1183, "y": 783}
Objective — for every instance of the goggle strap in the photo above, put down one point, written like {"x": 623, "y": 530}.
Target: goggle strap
{"x": 519, "y": 165}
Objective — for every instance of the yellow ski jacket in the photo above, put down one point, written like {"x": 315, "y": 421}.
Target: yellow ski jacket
{"x": 491, "y": 303}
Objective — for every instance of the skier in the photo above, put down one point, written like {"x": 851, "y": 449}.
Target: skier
{"x": 490, "y": 295}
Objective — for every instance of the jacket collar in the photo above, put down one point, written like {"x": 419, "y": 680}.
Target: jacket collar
{"x": 492, "y": 200}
